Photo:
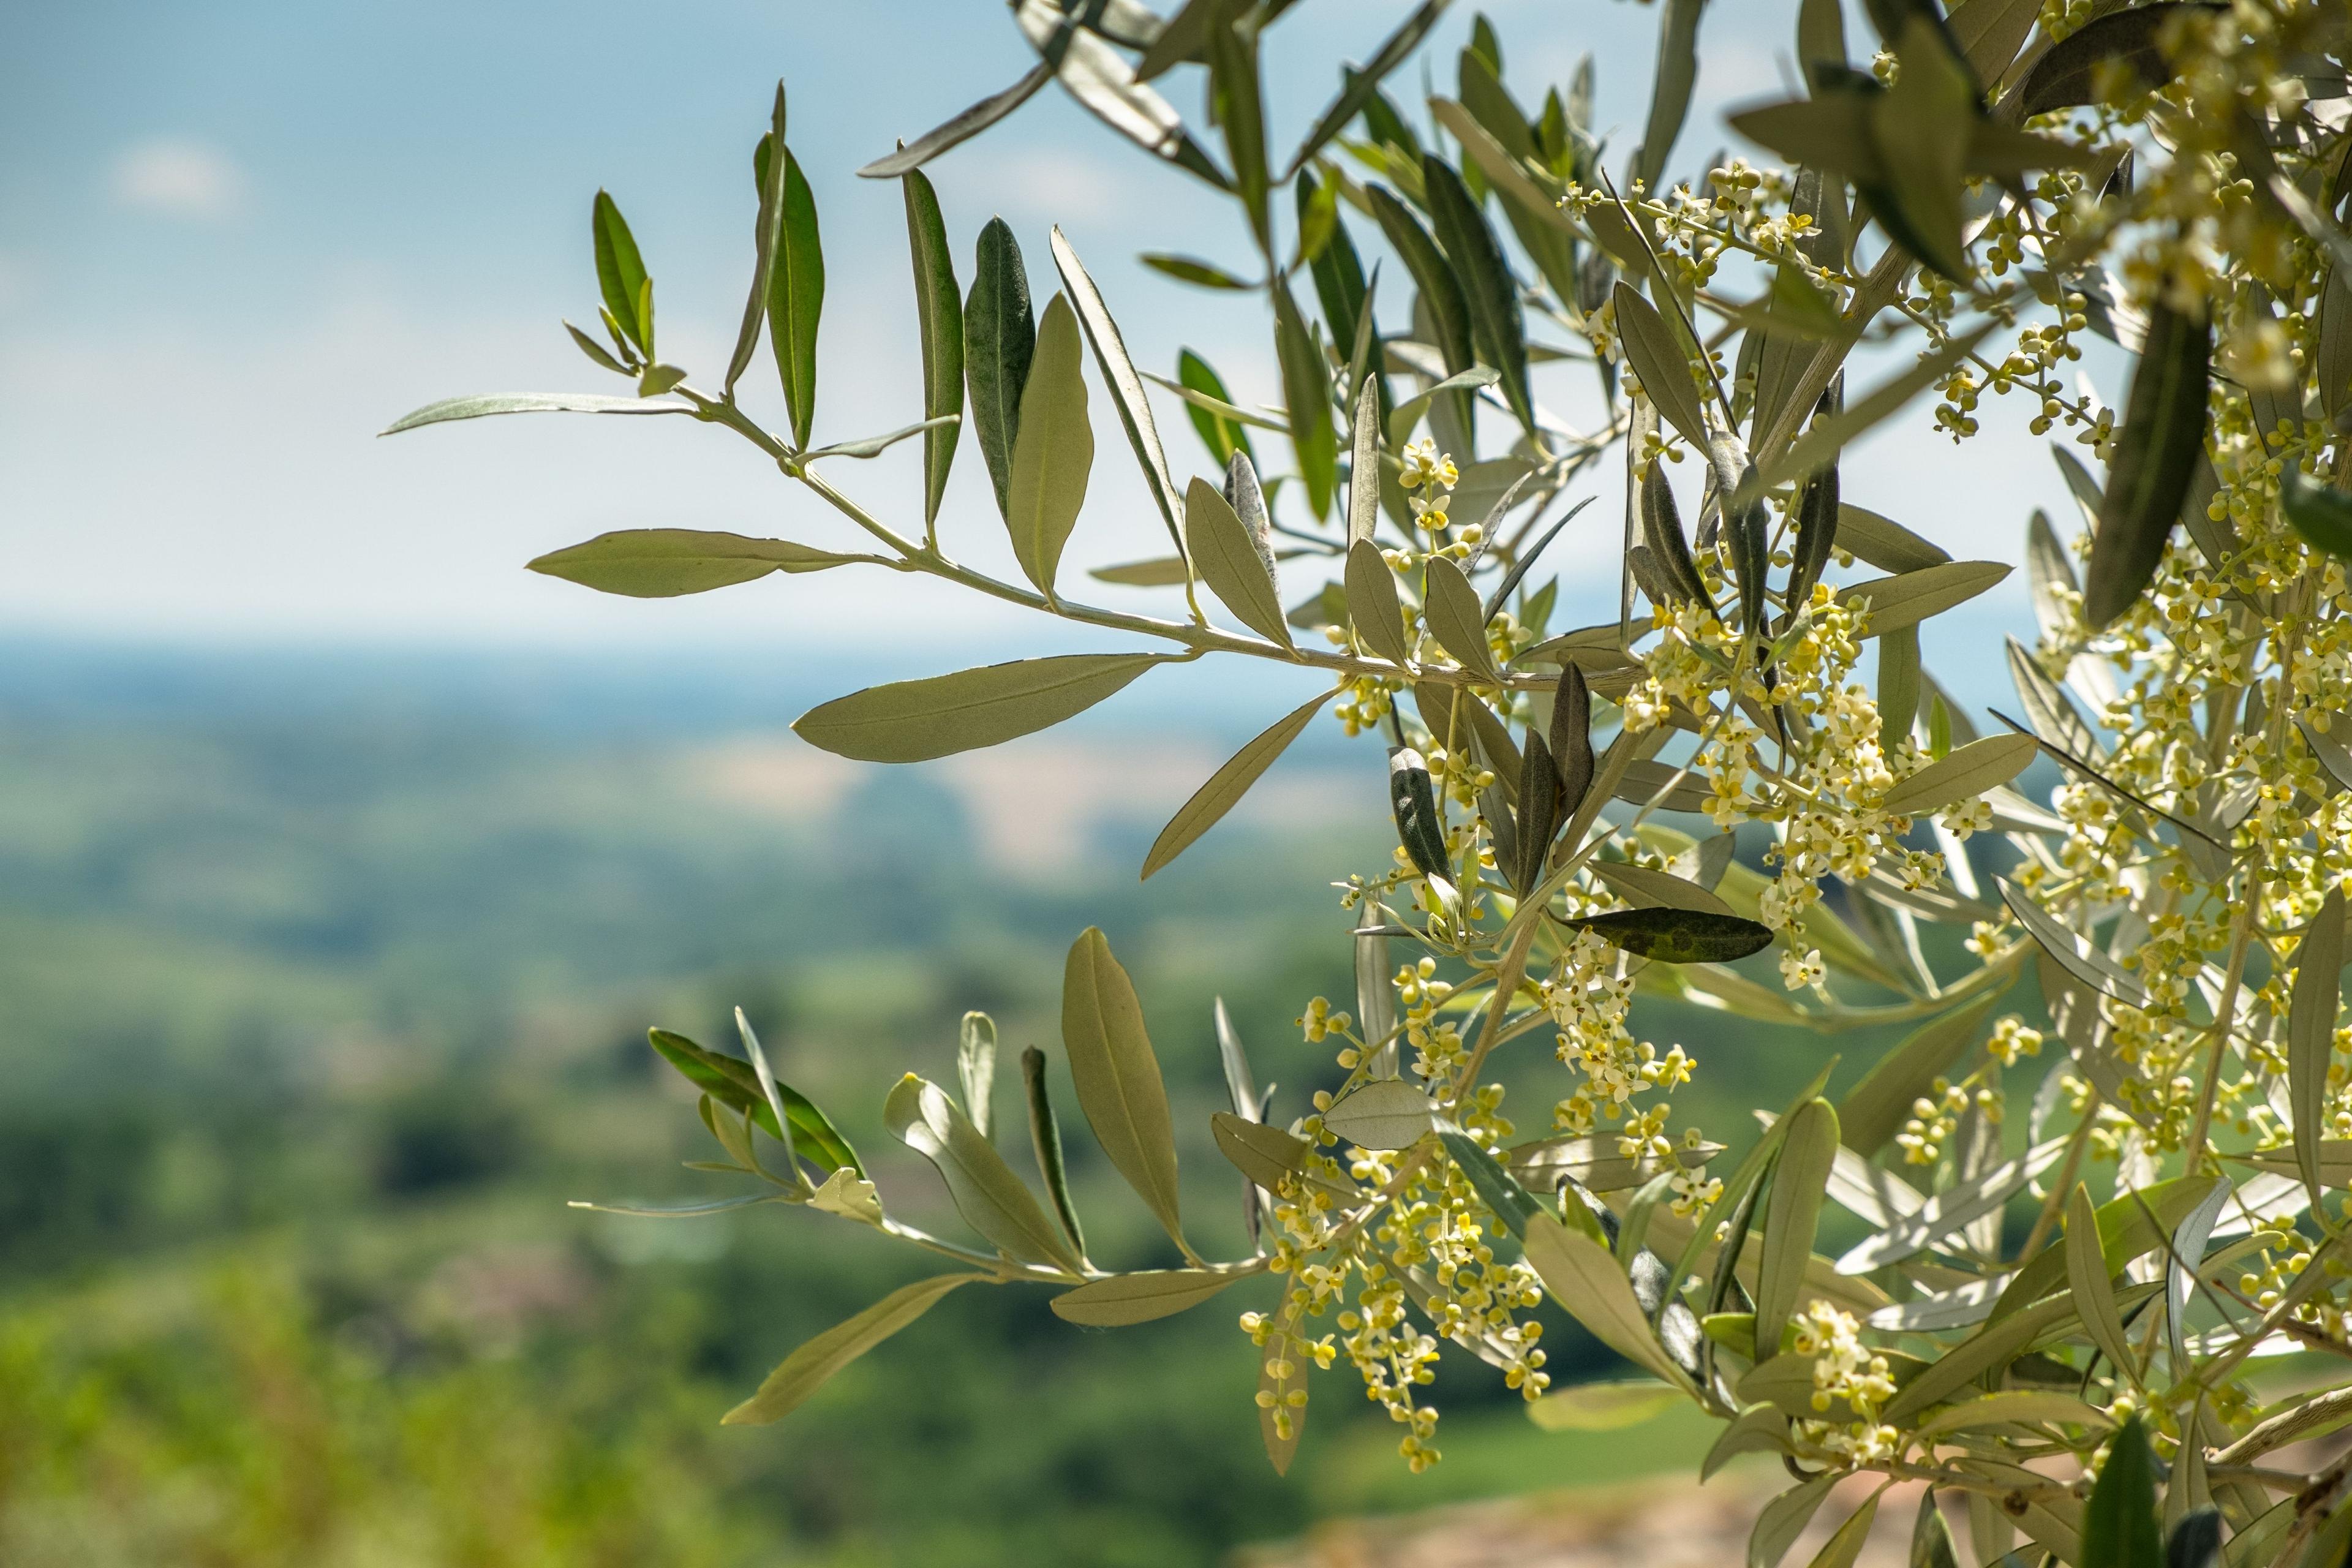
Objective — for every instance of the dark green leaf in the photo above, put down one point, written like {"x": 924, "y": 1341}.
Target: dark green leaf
{"x": 795, "y": 293}
{"x": 2196, "y": 1541}
{"x": 1307, "y": 394}
{"x": 1338, "y": 270}
{"x": 1571, "y": 737}
{"x": 2156, "y": 454}
{"x": 767, "y": 238}
{"x": 1678, "y": 936}
{"x": 2119, "y": 1524}
{"x": 914, "y": 720}
{"x": 1441, "y": 287}
{"x": 2066, "y": 76}
{"x": 1497, "y": 1188}
{"x": 1662, "y": 530}
{"x": 1000, "y": 340}
{"x": 621, "y": 273}
{"x": 1488, "y": 289}
{"x": 1539, "y": 817}
{"x": 1656, "y": 350}
{"x": 1241, "y": 115}
{"x": 1045, "y": 1142}
{"x": 1921, "y": 129}
{"x": 2320, "y": 513}
{"x": 731, "y": 1081}
{"x": 939, "y": 309}
{"x": 1414, "y": 805}
{"x": 1221, "y": 435}
{"x": 1360, "y": 91}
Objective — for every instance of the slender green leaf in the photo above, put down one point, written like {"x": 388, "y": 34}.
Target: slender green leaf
{"x": 1457, "y": 619}
{"x": 1654, "y": 349}
{"x": 1407, "y": 415}
{"x": 1119, "y": 375}
{"x": 939, "y": 310}
{"x": 1784, "y": 1518}
{"x": 1364, "y": 464}
{"x": 1970, "y": 770}
{"x": 1413, "y": 804}
{"x": 662, "y": 563}
{"x": 1759, "y": 1428}
{"x": 1884, "y": 543}
{"x": 2119, "y": 1524}
{"x": 806, "y": 1371}
{"x": 2076, "y": 953}
{"x": 481, "y": 406}
{"x": 795, "y": 293}
{"x": 1125, "y": 1298}
{"x": 1497, "y": 1188}
{"x": 1845, "y": 1544}
{"x": 2087, "y": 1274}
{"x": 1223, "y": 436}
{"x": 1225, "y": 788}
{"x": 1441, "y": 287}
{"x": 915, "y": 721}
{"x": 731, "y": 1082}
{"x": 1921, "y": 129}
{"x": 767, "y": 240}
{"x": 1362, "y": 87}
{"x": 962, "y": 127}
{"x": 2017, "y": 1407}
{"x": 1117, "y": 1075}
{"x": 1826, "y": 437}
{"x": 1648, "y": 887}
{"x": 2317, "y": 999}
{"x": 1307, "y": 397}
{"x": 1053, "y": 451}
{"x": 1488, "y": 289}
{"x": 999, "y": 343}
{"x": 621, "y": 274}
{"x": 2156, "y": 453}
{"x": 1799, "y": 1182}
{"x": 1874, "y": 1110}
{"x": 1910, "y": 597}
{"x": 1372, "y": 605}
{"x": 1603, "y": 1407}
{"x": 1227, "y": 555}
{"x": 1584, "y": 1278}
{"x": 1191, "y": 269}
{"x": 1670, "y": 88}
{"x": 991, "y": 1198}
{"x": 976, "y": 1070}
{"x": 1046, "y": 1142}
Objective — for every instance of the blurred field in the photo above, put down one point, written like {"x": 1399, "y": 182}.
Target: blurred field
{"x": 324, "y": 990}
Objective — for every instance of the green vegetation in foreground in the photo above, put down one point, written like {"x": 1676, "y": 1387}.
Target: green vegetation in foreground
{"x": 278, "y": 1286}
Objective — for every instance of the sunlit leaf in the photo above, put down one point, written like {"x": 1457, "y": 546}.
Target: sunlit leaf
{"x": 621, "y": 274}
{"x": 1910, "y": 597}
{"x": 795, "y": 293}
{"x": 1125, "y": 1298}
{"x": 1117, "y": 1075}
{"x": 991, "y": 1198}
{"x": 2087, "y": 1274}
{"x": 1127, "y": 395}
{"x": 1799, "y": 1182}
{"x": 976, "y": 1070}
{"x": 1497, "y": 1188}
{"x": 1223, "y": 436}
{"x": 914, "y": 720}
{"x": 806, "y": 1371}
{"x": 1586, "y": 1279}
{"x": 1225, "y": 788}
{"x": 1967, "y": 772}
{"x": 1230, "y": 560}
{"x": 939, "y": 310}
{"x": 662, "y": 563}
{"x": 481, "y": 406}
{"x": 1874, "y": 1110}
{"x": 962, "y": 127}
{"x": 767, "y": 240}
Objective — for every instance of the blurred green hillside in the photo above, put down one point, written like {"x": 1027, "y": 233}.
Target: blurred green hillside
{"x": 324, "y": 985}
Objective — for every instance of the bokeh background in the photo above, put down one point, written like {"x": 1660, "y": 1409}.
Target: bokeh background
{"x": 342, "y": 863}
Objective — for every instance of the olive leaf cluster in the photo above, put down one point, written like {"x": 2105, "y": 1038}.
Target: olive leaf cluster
{"x": 1987, "y": 186}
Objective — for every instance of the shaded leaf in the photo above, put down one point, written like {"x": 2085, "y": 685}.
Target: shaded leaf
{"x": 1670, "y": 87}
{"x": 1800, "y": 1181}
{"x": 2320, "y": 513}
{"x": 1045, "y": 1143}
{"x": 2087, "y": 1274}
{"x": 915, "y": 721}
{"x": 2317, "y": 998}
{"x": 1306, "y": 398}
{"x": 875, "y": 445}
{"x": 796, "y": 292}
{"x": 1223, "y": 436}
{"x": 939, "y": 310}
{"x": 1362, "y": 86}
{"x": 1583, "y": 1277}
{"x": 1874, "y": 1110}
{"x": 1191, "y": 270}
{"x": 1654, "y": 349}
{"x": 2076, "y": 952}
{"x": 1678, "y": 936}
{"x": 1414, "y": 807}
{"x": 1364, "y": 464}
{"x": 1117, "y": 1075}
{"x": 1226, "y": 786}
{"x": 1488, "y": 289}
{"x": 1784, "y": 1518}
{"x": 1497, "y": 1188}
{"x": 2065, "y": 76}
{"x": 2156, "y": 453}
{"x": 962, "y": 127}
{"x": 2119, "y": 1522}
{"x": 999, "y": 343}
{"x": 806, "y": 1371}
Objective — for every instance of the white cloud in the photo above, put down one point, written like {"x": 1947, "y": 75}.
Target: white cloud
{"x": 179, "y": 179}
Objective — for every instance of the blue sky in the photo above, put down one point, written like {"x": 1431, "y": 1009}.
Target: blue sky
{"x": 237, "y": 238}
